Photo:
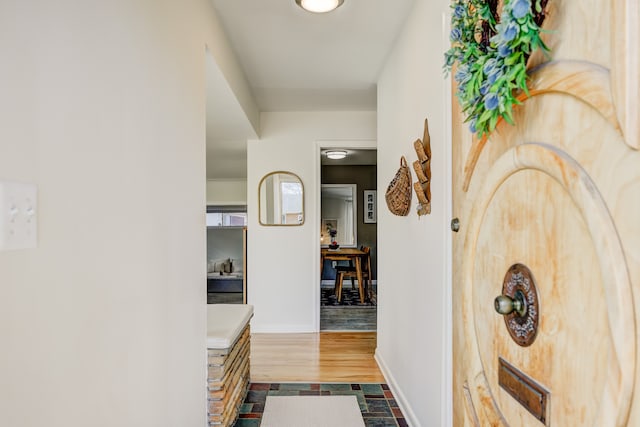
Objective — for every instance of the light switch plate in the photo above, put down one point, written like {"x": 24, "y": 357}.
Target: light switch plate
{"x": 18, "y": 215}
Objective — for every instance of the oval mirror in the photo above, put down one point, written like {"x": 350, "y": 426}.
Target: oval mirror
{"x": 281, "y": 199}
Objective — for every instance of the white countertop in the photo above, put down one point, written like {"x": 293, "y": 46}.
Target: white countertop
{"x": 225, "y": 322}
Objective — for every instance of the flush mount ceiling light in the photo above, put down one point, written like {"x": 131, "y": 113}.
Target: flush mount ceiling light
{"x": 319, "y": 6}
{"x": 336, "y": 154}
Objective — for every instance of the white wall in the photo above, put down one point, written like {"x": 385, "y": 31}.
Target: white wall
{"x": 227, "y": 192}
{"x": 225, "y": 243}
{"x": 283, "y": 262}
{"x": 412, "y": 251}
{"x": 103, "y": 106}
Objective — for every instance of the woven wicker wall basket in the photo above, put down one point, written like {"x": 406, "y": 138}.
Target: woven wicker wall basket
{"x": 398, "y": 195}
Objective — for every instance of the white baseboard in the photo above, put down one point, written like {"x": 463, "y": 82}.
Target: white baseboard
{"x": 409, "y": 415}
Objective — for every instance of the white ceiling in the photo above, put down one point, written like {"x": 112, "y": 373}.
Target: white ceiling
{"x": 299, "y": 61}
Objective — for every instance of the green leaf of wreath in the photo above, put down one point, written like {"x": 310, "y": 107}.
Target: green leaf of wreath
{"x": 491, "y": 70}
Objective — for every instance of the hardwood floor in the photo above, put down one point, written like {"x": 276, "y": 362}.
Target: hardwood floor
{"x": 348, "y": 319}
{"x": 340, "y": 357}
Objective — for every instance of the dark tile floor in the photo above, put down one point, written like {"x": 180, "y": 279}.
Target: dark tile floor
{"x": 377, "y": 404}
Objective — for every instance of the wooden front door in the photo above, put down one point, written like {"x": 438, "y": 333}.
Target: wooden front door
{"x": 559, "y": 193}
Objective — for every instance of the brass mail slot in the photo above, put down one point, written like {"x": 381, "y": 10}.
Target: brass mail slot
{"x": 524, "y": 389}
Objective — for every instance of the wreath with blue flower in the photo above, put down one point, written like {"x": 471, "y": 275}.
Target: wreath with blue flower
{"x": 490, "y": 54}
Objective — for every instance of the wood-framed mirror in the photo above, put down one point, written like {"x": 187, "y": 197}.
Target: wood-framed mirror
{"x": 339, "y": 205}
{"x": 281, "y": 199}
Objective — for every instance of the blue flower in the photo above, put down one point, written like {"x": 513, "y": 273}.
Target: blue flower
{"x": 462, "y": 74}
{"x": 455, "y": 35}
{"x": 504, "y": 50}
{"x": 458, "y": 11}
{"x": 520, "y": 8}
{"x": 495, "y": 74}
{"x": 491, "y": 101}
{"x": 489, "y": 66}
{"x": 510, "y": 32}
{"x": 485, "y": 88}
{"x": 472, "y": 125}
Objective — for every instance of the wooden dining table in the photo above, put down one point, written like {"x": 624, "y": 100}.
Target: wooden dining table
{"x": 345, "y": 254}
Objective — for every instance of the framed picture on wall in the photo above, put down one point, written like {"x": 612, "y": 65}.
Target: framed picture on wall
{"x": 370, "y": 213}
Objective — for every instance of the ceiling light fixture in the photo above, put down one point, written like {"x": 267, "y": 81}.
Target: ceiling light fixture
{"x": 319, "y": 6}
{"x": 336, "y": 154}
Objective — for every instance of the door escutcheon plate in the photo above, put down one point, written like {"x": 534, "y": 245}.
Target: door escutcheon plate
{"x": 519, "y": 285}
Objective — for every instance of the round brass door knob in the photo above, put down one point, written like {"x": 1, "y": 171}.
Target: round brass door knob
{"x": 506, "y": 305}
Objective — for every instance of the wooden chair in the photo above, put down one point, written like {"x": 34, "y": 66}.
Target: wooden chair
{"x": 365, "y": 265}
{"x": 335, "y": 258}
{"x": 349, "y": 267}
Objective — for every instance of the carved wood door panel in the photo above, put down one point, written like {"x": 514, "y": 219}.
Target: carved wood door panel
{"x": 558, "y": 193}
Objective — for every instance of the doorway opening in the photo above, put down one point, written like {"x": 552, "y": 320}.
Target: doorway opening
{"x": 226, "y": 254}
{"x": 348, "y": 230}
